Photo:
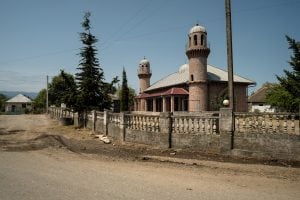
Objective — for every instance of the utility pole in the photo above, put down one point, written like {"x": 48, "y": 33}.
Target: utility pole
{"x": 47, "y": 83}
{"x": 229, "y": 54}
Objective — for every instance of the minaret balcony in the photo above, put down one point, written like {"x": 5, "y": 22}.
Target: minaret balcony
{"x": 144, "y": 71}
{"x": 197, "y": 52}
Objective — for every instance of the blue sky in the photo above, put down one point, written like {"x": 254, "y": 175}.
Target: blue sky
{"x": 40, "y": 37}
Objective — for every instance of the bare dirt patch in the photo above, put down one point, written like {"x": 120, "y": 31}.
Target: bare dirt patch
{"x": 35, "y": 132}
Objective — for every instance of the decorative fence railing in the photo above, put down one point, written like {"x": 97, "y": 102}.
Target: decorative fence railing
{"x": 142, "y": 122}
{"x": 60, "y": 112}
{"x": 266, "y": 123}
{"x": 189, "y": 124}
{"x": 272, "y": 123}
{"x": 100, "y": 115}
{"x": 114, "y": 118}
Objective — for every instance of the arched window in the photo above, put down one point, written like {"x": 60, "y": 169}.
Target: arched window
{"x": 190, "y": 41}
{"x": 195, "y": 39}
{"x": 202, "y": 39}
{"x": 192, "y": 77}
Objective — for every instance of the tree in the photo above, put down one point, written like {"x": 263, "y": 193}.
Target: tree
{"x": 93, "y": 91}
{"x": 40, "y": 101}
{"x": 131, "y": 96}
{"x": 279, "y": 98}
{"x": 124, "y": 97}
{"x": 285, "y": 96}
{"x": 3, "y": 99}
{"x": 62, "y": 89}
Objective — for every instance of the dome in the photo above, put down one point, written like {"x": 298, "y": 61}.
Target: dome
{"x": 145, "y": 62}
{"x": 197, "y": 28}
{"x": 183, "y": 68}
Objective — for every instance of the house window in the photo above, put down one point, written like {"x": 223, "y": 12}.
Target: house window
{"x": 192, "y": 77}
{"x": 23, "y": 105}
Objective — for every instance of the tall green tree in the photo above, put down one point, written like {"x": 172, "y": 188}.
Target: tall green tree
{"x": 124, "y": 97}
{"x": 93, "y": 91}
{"x": 62, "y": 89}
{"x": 131, "y": 96}
{"x": 279, "y": 98}
{"x": 286, "y": 95}
{"x": 3, "y": 98}
{"x": 40, "y": 101}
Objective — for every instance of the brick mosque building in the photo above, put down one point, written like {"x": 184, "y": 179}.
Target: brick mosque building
{"x": 195, "y": 87}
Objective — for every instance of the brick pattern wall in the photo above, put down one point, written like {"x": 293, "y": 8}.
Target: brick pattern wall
{"x": 217, "y": 89}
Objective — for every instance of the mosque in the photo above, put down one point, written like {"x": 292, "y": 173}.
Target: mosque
{"x": 195, "y": 87}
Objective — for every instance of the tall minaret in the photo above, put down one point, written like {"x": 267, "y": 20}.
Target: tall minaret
{"x": 144, "y": 74}
{"x": 197, "y": 53}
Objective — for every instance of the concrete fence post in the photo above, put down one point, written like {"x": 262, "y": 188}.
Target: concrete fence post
{"x": 123, "y": 125}
{"x": 165, "y": 125}
{"x": 226, "y": 129}
{"x": 94, "y": 120}
{"x": 106, "y": 121}
{"x": 76, "y": 119}
{"x": 50, "y": 112}
{"x": 72, "y": 115}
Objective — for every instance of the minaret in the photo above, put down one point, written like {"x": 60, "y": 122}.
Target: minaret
{"x": 144, "y": 74}
{"x": 197, "y": 53}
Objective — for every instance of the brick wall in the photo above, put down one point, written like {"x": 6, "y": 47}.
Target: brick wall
{"x": 218, "y": 89}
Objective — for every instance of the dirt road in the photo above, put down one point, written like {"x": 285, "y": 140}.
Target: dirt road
{"x": 40, "y": 160}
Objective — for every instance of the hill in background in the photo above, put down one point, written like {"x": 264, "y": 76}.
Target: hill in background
{"x": 10, "y": 94}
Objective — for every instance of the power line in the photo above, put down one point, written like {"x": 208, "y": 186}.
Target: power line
{"x": 134, "y": 26}
{"x": 143, "y": 7}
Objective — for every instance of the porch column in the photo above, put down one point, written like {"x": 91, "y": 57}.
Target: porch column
{"x": 154, "y": 104}
{"x": 172, "y": 103}
{"x": 141, "y": 105}
{"x": 164, "y": 104}
{"x": 134, "y": 106}
{"x": 146, "y": 105}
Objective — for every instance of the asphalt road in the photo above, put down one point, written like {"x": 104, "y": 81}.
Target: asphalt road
{"x": 58, "y": 174}
{"x": 36, "y": 164}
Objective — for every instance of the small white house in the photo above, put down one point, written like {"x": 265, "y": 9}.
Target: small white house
{"x": 257, "y": 101}
{"x": 18, "y": 104}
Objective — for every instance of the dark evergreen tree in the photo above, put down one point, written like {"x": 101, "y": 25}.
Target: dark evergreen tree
{"x": 90, "y": 80}
{"x": 286, "y": 95}
{"x": 131, "y": 97}
{"x": 124, "y": 100}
